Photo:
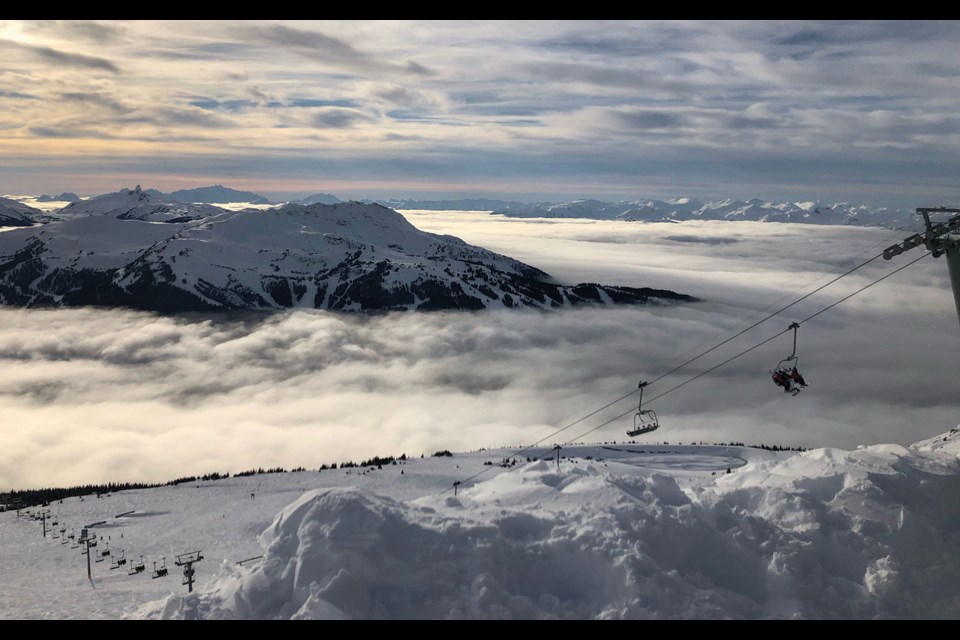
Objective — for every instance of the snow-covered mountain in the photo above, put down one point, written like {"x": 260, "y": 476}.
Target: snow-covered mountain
{"x": 349, "y": 256}
{"x": 216, "y": 194}
{"x": 14, "y": 213}
{"x": 318, "y": 198}
{"x": 616, "y": 531}
{"x": 680, "y": 209}
{"x": 135, "y": 204}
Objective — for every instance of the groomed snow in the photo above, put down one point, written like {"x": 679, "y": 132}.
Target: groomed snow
{"x": 617, "y": 531}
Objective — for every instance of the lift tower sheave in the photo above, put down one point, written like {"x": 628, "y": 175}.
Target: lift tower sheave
{"x": 940, "y": 238}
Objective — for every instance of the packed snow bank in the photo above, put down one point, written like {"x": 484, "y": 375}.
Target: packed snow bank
{"x": 821, "y": 534}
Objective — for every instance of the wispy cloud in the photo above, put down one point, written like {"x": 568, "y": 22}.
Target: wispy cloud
{"x": 632, "y": 107}
{"x": 49, "y": 54}
{"x": 16, "y": 95}
{"x": 97, "y": 99}
{"x": 96, "y": 32}
{"x": 328, "y": 49}
{"x": 338, "y": 118}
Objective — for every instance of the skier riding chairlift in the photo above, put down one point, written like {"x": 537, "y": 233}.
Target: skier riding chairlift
{"x": 786, "y": 374}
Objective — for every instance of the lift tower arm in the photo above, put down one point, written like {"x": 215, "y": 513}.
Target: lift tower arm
{"x": 938, "y": 241}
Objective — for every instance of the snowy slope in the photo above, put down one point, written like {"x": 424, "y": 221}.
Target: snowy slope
{"x": 348, "y": 256}
{"x": 679, "y": 209}
{"x": 616, "y": 531}
{"x": 17, "y": 214}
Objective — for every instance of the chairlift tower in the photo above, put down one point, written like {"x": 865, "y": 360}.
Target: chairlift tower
{"x": 940, "y": 238}
{"x": 186, "y": 561}
{"x": 85, "y": 541}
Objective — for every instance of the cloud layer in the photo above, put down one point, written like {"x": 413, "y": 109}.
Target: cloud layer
{"x": 94, "y": 395}
{"x": 838, "y": 110}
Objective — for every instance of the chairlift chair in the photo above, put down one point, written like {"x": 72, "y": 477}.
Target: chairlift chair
{"x": 161, "y": 571}
{"x": 787, "y": 366}
{"x": 645, "y": 420}
{"x": 137, "y": 568}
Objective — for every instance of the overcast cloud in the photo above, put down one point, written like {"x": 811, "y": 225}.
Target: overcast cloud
{"x": 93, "y": 395}
{"x": 839, "y": 110}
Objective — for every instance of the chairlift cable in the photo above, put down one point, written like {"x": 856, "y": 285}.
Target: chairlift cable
{"x": 759, "y": 344}
{"x": 711, "y": 349}
{"x": 715, "y": 367}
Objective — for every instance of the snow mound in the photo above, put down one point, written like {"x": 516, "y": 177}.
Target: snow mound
{"x": 948, "y": 443}
{"x": 871, "y": 533}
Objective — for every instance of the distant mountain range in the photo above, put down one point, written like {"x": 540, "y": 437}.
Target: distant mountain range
{"x": 464, "y": 204}
{"x": 111, "y": 251}
{"x": 681, "y": 209}
{"x": 168, "y": 206}
{"x": 66, "y": 196}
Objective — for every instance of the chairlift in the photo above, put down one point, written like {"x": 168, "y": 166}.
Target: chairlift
{"x": 137, "y": 568}
{"x": 161, "y": 571}
{"x": 118, "y": 561}
{"x": 645, "y": 420}
{"x": 785, "y": 374}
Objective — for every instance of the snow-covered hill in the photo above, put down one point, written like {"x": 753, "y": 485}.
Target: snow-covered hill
{"x": 615, "y": 531}
{"x": 680, "y": 209}
{"x": 113, "y": 251}
{"x": 16, "y": 214}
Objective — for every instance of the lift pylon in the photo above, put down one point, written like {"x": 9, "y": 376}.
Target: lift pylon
{"x": 939, "y": 241}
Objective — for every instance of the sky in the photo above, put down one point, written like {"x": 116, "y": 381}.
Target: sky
{"x": 92, "y": 395}
{"x": 861, "y": 111}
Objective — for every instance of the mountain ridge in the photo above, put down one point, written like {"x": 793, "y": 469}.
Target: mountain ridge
{"x": 683, "y": 209}
{"x": 145, "y": 254}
